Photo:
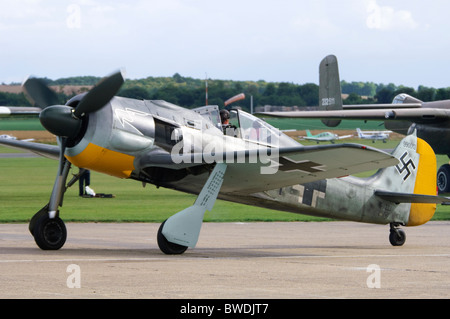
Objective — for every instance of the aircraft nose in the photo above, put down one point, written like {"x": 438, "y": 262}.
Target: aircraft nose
{"x": 58, "y": 120}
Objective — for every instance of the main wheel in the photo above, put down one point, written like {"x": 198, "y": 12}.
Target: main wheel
{"x": 166, "y": 246}
{"x": 397, "y": 237}
{"x": 49, "y": 233}
{"x": 443, "y": 179}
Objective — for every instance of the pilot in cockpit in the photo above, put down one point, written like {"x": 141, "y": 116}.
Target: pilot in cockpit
{"x": 227, "y": 128}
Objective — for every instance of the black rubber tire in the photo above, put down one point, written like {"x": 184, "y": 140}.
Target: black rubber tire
{"x": 443, "y": 179}
{"x": 49, "y": 233}
{"x": 397, "y": 237}
{"x": 166, "y": 246}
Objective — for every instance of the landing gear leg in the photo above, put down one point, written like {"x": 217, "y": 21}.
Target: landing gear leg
{"x": 182, "y": 230}
{"x": 48, "y": 230}
{"x": 397, "y": 236}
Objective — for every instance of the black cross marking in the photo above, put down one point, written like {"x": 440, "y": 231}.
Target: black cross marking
{"x": 310, "y": 188}
{"x": 405, "y": 166}
{"x": 287, "y": 165}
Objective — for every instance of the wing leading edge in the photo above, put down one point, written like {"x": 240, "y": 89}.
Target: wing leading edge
{"x": 411, "y": 114}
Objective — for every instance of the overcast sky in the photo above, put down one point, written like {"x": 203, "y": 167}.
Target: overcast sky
{"x": 401, "y": 42}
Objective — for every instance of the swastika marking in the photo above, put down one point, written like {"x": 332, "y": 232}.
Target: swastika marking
{"x": 405, "y": 166}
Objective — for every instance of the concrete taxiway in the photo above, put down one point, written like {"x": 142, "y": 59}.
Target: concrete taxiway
{"x": 231, "y": 260}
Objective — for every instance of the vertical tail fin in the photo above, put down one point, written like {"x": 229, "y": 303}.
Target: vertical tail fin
{"x": 330, "y": 97}
{"x": 415, "y": 174}
{"x": 358, "y": 130}
{"x": 308, "y": 133}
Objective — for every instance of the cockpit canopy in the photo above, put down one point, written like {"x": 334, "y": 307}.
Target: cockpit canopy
{"x": 247, "y": 127}
{"x": 404, "y": 98}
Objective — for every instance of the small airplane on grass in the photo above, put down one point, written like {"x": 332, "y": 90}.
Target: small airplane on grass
{"x": 247, "y": 161}
{"x": 373, "y": 135}
{"x": 324, "y": 137}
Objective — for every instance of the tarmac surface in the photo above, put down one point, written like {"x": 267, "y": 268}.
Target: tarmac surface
{"x": 231, "y": 261}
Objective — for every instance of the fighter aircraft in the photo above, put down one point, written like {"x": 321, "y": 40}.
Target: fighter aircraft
{"x": 406, "y": 114}
{"x": 324, "y": 137}
{"x": 373, "y": 135}
{"x": 252, "y": 163}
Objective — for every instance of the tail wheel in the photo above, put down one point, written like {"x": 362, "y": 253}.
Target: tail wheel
{"x": 397, "y": 237}
{"x": 49, "y": 233}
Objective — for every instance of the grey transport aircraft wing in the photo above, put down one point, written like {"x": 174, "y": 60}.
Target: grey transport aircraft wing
{"x": 6, "y": 111}
{"x": 417, "y": 115}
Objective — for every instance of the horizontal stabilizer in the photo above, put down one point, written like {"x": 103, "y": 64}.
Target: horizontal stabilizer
{"x": 412, "y": 198}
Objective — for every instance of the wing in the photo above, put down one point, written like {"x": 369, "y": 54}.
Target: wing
{"x": 255, "y": 171}
{"x": 382, "y": 106}
{"x": 45, "y": 150}
{"x": 302, "y": 165}
{"x": 345, "y": 136}
{"x": 18, "y": 110}
{"x": 418, "y": 115}
{"x": 313, "y": 138}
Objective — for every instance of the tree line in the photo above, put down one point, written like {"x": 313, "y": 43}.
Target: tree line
{"x": 190, "y": 92}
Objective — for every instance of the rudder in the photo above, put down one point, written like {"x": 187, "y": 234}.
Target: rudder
{"x": 330, "y": 97}
{"x": 425, "y": 184}
{"x": 415, "y": 174}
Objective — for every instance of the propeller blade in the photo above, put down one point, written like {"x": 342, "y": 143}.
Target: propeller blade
{"x": 40, "y": 93}
{"x": 100, "y": 94}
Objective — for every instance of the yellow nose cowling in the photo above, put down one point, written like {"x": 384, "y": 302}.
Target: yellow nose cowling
{"x": 105, "y": 161}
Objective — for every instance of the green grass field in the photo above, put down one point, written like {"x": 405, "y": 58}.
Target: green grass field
{"x": 33, "y": 124}
{"x": 21, "y": 124}
{"x": 26, "y": 183}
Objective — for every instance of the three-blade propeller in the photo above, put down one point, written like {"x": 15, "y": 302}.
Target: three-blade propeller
{"x": 66, "y": 122}
{"x": 63, "y": 120}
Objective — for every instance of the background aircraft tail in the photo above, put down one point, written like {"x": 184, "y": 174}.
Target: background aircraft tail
{"x": 330, "y": 97}
{"x": 358, "y": 130}
{"x": 413, "y": 180}
{"x": 308, "y": 133}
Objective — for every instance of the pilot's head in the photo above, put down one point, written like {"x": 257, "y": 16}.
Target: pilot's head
{"x": 224, "y": 116}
